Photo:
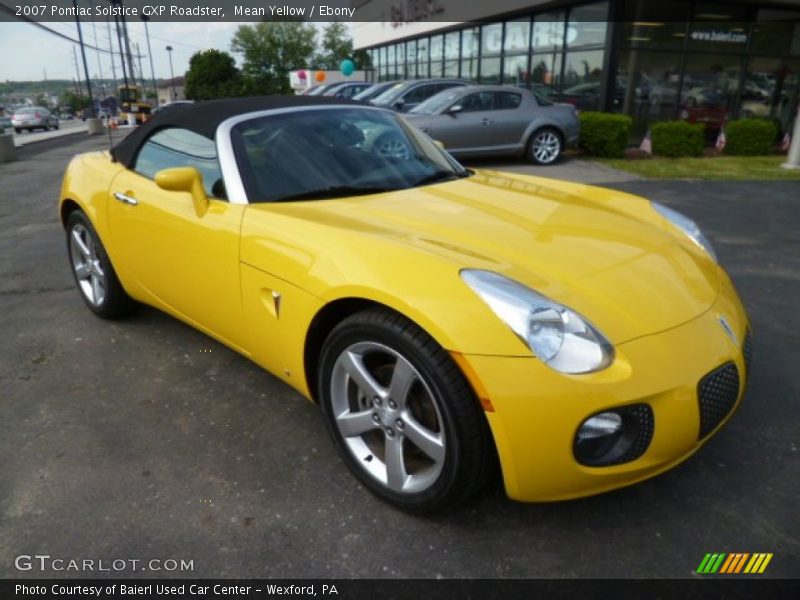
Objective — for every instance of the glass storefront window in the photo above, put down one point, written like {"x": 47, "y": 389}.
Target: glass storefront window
{"x": 452, "y": 45}
{"x": 451, "y": 68}
{"x": 776, "y": 32}
{"x": 517, "y": 35}
{"x": 390, "y": 60}
{"x": 587, "y": 26}
{"x": 719, "y": 28}
{"x": 515, "y": 70}
{"x": 469, "y": 69}
{"x": 546, "y": 69}
{"x": 470, "y": 39}
{"x": 709, "y": 89}
{"x": 650, "y": 24}
{"x": 647, "y": 87}
{"x": 437, "y": 42}
{"x": 770, "y": 90}
{"x": 492, "y": 40}
{"x": 411, "y": 59}
{"x": 583, "y": 79}
{"x": 437, "y": 48}
{"x": 490, "y": 70}
{"x": 548, "y": 32}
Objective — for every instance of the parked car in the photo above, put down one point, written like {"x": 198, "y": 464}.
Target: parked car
{"x": 443, "y": 319}
{"x": 405, "y": 95}
{"x": 374, "y": 91}
{"x": 346, "y": 89}
{"x": 170, "y": 105}
{"x": 33, "y": 117}
{"x": 316, "y": 90}
{"x": 485, "y": 120}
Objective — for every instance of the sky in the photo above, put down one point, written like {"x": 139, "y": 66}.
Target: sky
{"x": 26, "y": 51}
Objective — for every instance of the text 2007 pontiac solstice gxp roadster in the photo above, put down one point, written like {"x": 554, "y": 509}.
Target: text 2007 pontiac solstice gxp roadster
{"x": 444, "y": 320}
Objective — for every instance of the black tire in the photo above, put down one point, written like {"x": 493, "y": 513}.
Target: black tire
{"x": 114, "y": 302}
{"x": 468, "y": 451}
{"x": 57, "y": 126}
{"x": 18, "y": 129}
{"x": 545, "y": 146}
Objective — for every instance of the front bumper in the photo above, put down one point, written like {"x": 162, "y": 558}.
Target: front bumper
{"x": 537, "y": 411}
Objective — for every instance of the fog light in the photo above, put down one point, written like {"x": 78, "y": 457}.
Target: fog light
{"x": 615, "y": 436}
{"x": 604, "y": 424}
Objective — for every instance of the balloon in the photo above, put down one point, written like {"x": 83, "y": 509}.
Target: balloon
{"x": 347, "y": 67}
{"x": 320, "y": 76}
{"x": 301, "y": 75}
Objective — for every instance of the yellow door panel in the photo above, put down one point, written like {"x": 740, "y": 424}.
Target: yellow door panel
{"x": 185, "y": 263}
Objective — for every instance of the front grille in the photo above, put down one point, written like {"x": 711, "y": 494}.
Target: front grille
{"x": 747, "y": 350}
{"x": 716, "y": 395}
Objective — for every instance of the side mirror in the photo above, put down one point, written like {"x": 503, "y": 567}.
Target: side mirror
{"x": 185, "y": 179}
{"x": 399, "y": 104}
{"x": 455, "y": 109}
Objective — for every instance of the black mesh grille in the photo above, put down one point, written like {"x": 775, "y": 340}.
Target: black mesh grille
{"x": 747, "y": 350}
{"x": 642, "y": 414}
{"x": 716, "y": 395}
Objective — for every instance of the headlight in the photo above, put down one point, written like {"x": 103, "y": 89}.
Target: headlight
{"x": 687, "y": 226}
{"x": 557, "y": 335}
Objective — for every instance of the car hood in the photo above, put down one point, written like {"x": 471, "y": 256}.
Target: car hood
{"x": 606, "y": 254}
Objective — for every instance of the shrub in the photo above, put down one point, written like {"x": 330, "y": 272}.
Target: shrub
{"x": 677, "y": 138}
{"x": 750, "y": 137}
{"x": 603, "y": 134}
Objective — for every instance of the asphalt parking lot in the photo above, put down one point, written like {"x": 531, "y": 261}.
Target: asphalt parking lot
{"x": 144, "y": 439}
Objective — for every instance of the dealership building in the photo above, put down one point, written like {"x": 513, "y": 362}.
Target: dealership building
{"x": 704, "y": 62}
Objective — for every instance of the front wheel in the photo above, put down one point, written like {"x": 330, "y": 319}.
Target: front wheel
{"x": 544, "y": 147}
{"x": 18, "y": 129}
{"x": 95, "y": 276}
{"x": 401, "y": 414}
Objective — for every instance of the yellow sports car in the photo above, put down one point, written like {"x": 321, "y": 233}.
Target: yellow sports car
{"x": 445, "y": 321}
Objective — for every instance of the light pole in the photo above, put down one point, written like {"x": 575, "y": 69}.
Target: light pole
{"x": 150, "y": 54}
{"x": 172, "y": 74}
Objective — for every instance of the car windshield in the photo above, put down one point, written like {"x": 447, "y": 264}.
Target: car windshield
{"x": 389, "y": 95}
{"x": 28, "y": 111}
{"x": 369, "y": 92}
{"x": 330, "y": 153}
{"x": 437, "y": 102}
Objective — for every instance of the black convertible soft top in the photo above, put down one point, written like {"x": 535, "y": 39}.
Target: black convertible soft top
{"x": 204, "y": 118}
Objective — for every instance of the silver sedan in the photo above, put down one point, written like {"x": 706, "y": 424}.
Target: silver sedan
{"x": 489, "y": 120}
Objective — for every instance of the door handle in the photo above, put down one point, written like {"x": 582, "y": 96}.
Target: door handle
{"x": 126, "y": 199}
{"x": 486, "y": 122}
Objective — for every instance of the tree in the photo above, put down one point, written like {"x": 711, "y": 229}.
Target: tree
{"x": 212, "y": 74}
{"x": 337, "y": 44}
{"x": 73, "y": 103}
{"x": 269, "y": 51}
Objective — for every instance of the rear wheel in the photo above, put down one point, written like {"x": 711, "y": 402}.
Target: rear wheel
{"x": 94, "y": 275}
{"x": 18, "y": 129}
{"x": 545, "y": 146}
{"x": 401, "y": 414}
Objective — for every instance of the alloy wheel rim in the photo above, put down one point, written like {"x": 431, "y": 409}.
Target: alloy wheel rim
{"x": 388, "y": 417}
{"x": 86, "y": 265}
{"x": 546, "y": 147}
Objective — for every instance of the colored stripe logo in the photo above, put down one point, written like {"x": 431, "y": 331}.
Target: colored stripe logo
{"x": 733, "y": 563}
